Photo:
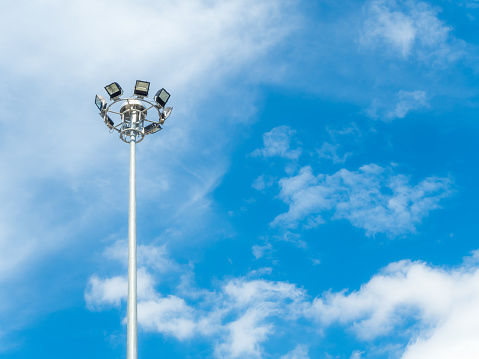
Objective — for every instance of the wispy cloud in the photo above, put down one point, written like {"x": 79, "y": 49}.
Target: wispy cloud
{"x": 356, "y": 354}
{"x": 385, "y": 25}
{"x": 473, "y": 4}
{"x": 409, "y": 29}
{"x": 155, "y": 257}
{"x": 407, "y": 101}
{"x": 260, "y": 251}
{"x": 262, "y": 182}
{"x": 300, "y": 352}
{"x": 277, "y": 143}
{"x": 372, "y": 198}
{"x": 330, "y": 151}
{"x": 398, "y": 106}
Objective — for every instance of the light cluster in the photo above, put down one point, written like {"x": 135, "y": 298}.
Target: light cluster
{"x": 134, "y": 110}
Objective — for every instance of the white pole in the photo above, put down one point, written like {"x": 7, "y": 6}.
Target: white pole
{"x": 132, "y": 324}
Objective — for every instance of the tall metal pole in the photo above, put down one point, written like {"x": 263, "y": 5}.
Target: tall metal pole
{"x": 132, "y": 130}
{"x": 132, "y": 324}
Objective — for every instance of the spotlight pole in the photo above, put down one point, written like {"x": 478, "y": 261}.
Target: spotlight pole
{"x": 132, "y": 322}
{"x": 132, "y": 130}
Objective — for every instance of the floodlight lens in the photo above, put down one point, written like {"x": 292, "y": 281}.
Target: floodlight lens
{"x": 111, "y": 89}
{"x": 167, "y": 112}
{"x": 114, "y": 90}
{"x": 109, "y": 122}
{"x": 162, "y": 97}
{"x": 153, "y": 128}
{"x": 100, "y": 102}
{"x": 141, "y": 88}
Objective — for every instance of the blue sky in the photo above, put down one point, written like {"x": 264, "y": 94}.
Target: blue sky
{"x": 313, "y": 194}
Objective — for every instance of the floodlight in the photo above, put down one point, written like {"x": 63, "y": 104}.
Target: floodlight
{"x": 141, "y": 88}
{"x": 162, "y": 97}
{"x": 100, "y": 102}
{"x": 153, "y": 128}
{"x": 109, "y": 122}
{"x": 165, "y": 114}
{"x": 114, "y": 90}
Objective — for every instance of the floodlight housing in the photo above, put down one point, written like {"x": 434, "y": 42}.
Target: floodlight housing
{"x": 100, "y": 102}
{"x": 109, "y": 122}
{"x": 162, "y": 97}
{"x": 165, "y": 114}
{"x": 153, "y": 128}
{"x": 141, "y": 88}
{"x": 114, "y": 90}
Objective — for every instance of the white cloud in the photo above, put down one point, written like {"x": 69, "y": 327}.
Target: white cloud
{"x": 169, "y": 315}
{"x": 350, "y": 130}
{"x": 207, "y": 31}
{"x": 330, "y": 152}
{"x": 441, "y": 305}
{"x": 404, "y": 102}
{"x": 243, "y": 293}
{"x": 105, "y": 292}
{"x": 154, "y": 257}
{"x": 356, "y": 354}
{"x": 262, "y": 182}
{"x": 237, "y": 319}
{"x": 101, "y": 293}
{"x": 260, "y": 272}
{"x": 409, "y": 28}
{"x": 255, "y": 303}
{"x": 408, "y": 100}
{"x": 372, "y": 198}
{"x": 260, "y": 251}
{"x": 300, "y": 352}
{"x": 244, "y": 336}
{"x": 259, "y": 183}
{"x": 277, "y": 142}
{"x": 315, "y": 261}
{"x": 473, "y": 4}
{"x": 386, "y": 25}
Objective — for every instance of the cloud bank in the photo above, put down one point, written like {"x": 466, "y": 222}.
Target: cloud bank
{"x": 431, "y": 312}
